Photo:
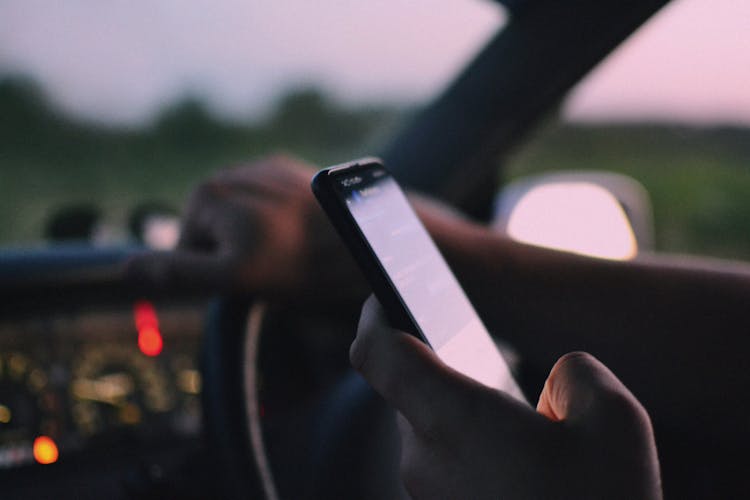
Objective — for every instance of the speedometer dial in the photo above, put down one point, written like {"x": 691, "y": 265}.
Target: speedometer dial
{"x": 117, "y": 386}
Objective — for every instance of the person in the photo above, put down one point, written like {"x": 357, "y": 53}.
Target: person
{"x": 589, "y": 437}
{"x": 664, "y": 319}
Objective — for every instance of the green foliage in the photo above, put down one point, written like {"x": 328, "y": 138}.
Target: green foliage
{"x": 698, "y": 178}
{"x": 48, "y": 161}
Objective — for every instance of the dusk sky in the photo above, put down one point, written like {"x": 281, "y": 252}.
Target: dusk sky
{"x": 121, "y": 60}
{"x": 691, "y": 62}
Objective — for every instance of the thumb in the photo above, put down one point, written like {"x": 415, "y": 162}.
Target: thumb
{"x": 583, "y": 392}
{"x": 608, "y": 421}
{"x": 407, "y": 373}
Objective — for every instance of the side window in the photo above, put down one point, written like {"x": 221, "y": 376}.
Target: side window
{"x": 669, "y": 108}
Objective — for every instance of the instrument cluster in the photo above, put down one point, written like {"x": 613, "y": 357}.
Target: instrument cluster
{"x": 98, "y": 381}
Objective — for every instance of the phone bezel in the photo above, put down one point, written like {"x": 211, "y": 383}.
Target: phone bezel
{"x": 342, "y": 219}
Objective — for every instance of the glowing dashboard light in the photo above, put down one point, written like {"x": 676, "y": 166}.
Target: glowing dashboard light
{"x": 149, "y": 341}
{"x": 5, "y": 415}
{"x": 576, "y": 217}
{"x": 45, "y": 450}
{"x": 189, "y": 381}
{"x": 144, "y": 315}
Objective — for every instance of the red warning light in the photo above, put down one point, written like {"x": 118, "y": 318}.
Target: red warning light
{"x": 145, "y": 315}
{"x": 150, "y": 341}
{"x": 45, "y": 450}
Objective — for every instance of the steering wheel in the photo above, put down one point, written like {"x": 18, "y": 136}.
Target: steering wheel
{"x": 284, "y": 415}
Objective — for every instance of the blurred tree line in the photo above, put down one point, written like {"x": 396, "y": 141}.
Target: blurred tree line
{"x": 698, "y": 178}
{"x": 49, "y": 160}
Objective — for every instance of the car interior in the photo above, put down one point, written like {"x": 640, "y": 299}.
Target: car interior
{"x": 113, "y": 388}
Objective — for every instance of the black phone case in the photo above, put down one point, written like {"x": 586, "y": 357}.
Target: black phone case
{"x": 339, "y": 215}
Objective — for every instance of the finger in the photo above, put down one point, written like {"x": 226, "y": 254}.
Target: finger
{"x": 276, "y": 176}
{"x": 582, "y": 391}
{"x": 417, "y": 465}
{"x": 400, "y": 367}
{"x": 219, "y": 218}
{"x": 610, "y": 424}
{"x": 201, "y": 215}
{"x": 249, "y": 181}
{"x": 181, "y": 269}
{"x": 408, "y": 374}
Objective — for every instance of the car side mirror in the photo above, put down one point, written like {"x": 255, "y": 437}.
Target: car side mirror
{"x": 599, "y": 214}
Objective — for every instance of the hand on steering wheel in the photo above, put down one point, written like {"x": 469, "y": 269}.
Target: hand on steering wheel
{"x": 257, "y": 228}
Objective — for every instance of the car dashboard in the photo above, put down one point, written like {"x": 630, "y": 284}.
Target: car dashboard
{"x": 90, "y": 388}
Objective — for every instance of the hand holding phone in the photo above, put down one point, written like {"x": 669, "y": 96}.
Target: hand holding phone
{"x": 408, "y": 274}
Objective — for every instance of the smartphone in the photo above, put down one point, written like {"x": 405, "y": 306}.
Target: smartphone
{"x": 408, "y": 274}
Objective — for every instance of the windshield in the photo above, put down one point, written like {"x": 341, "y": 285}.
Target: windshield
{"x": 669, "y": 108}
{"x": 114, "y": 110}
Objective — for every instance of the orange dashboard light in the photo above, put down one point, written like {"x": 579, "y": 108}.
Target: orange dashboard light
{"x": 149, "y": 341}
{"x": 45, "y": 450}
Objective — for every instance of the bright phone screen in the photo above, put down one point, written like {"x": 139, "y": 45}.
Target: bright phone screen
{"x": 428, "y": 288}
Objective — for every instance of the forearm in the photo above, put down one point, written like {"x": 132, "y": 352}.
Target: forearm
{"x": 673, "y": 328}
